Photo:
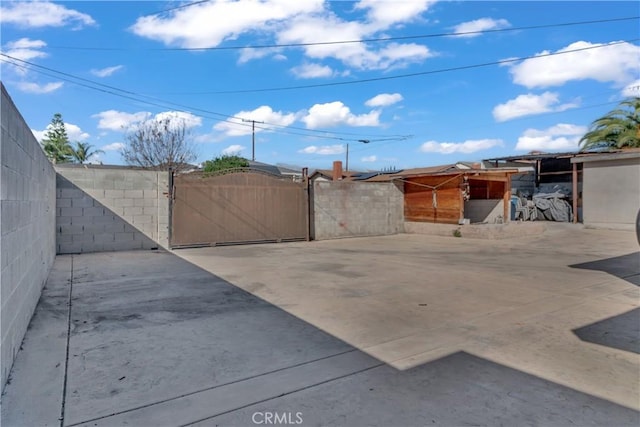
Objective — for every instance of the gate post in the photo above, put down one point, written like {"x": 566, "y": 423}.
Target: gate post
{"x": 171, "y": 197}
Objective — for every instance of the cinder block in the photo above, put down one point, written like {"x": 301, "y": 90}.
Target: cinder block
{"x": 64, "y": 238}
{"x": 69, "y": 248}
{"x": 63, "y": 203}
{"x": 114, "y": 227}
{"x": 124, "y": 185}
{"x": 83, "y": 237}
{"x": 69, "y": 193}
{"x": 123, "y": 202}
{"x": 133, "y": 210}
{"x": 123, "y": 237}
{"x": 150, "y": 210}
{"x": 114, "y": 194}
{"x": 105, "y": 183}
{"x": 90, "y": 247}
{"x": 106, "y": 219}
{"x": 94, "y": 211}
{"x": 123, "y": 246}
{"x": 142, "y": 219}
{"x": 104, "y": 237}
{"x": 82, "y": 220}
{"x": 70, "y": 211}
{"x": 82, "y": 202}
{"x": 93, "y": 228}
{"x": 70, "y": 229}
{"x": 133, "y": 194}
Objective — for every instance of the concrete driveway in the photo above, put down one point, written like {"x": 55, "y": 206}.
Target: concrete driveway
{"x": 398, "y": 330}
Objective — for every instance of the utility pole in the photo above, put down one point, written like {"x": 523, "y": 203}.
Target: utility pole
{"x": 346, "y": 166}
{"x": 253, "y": 137}
{"x": 364, "y": 141}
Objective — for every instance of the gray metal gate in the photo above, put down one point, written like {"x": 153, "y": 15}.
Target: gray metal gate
{"x": 237, "y": 206}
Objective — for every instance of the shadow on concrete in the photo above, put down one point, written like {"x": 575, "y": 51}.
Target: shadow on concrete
{"x": 457, "y": 390}
{"x": 97, "y": 229}
{"x": 621, "y": 332}
{"x": 156, "y": 340}
{"x": 626, "y": 267}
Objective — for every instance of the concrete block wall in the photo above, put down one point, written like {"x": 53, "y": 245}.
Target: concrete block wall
{"x": 350, "y": 209}
{"x": 490, "y": 211}
{"x": 27, "y": 241}
{"x": 111, "y": 208}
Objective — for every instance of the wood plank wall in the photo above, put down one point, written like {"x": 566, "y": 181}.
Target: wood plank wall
{"x": 418, "y": 200}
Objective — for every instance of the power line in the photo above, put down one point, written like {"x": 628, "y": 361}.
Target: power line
{"x": 163, "y": 104}
{"x": 401, "y": 76}
{"x": 339, "y": 42}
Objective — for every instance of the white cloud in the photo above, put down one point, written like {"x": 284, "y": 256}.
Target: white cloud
{"x": 529, "y": 104}
{"x": 290, "y": 22}
{"x": 106, "y": 72}
{"x": 312, "y": 71}
{"x": 37, "y": 14}
{"x": 632, "y": 89}
{"x": 336, "y": 113}
{"x": 466, "y": 147}
{"x": 384, "y": 100}
{"x": 330, "y": 28}
{"x": 30, "y": 87}
{"x": 23, "y": 49}
{"x": 74, "y": 132}
{"x": 386, "y": 13}
{"x": 209, "y": 24}
{"x": 114, "y": 146}
{"x": 233, "y": 149}
{"x": 26, "y": 43}
{"x": 368, "y": 159}
{"x": 265, "y": 114}
{"x": 249, "y": 54}
{"x": 618, "y": 64}
{"x": 482, "y": 24}
{"x": 563, "y": 136}
{"x": 189, "y": 120}
{"x": 324, "y": 149}
{"x": 118, "y": 120}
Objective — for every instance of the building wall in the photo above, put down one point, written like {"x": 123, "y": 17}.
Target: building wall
{"x": 489, "y": 211}
{"x": 350, "y": 209}
{"x": 611, "y": 192}
{"x": 110, "y": 208}
{"x": 27, "y": 242}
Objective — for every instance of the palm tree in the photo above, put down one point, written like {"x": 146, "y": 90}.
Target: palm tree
{"x": 83, "y": 152}
{"x": 619, "y": 128}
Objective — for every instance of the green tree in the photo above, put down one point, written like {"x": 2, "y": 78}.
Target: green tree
{"x": 224, "y": 162}
{"x": 83, "y": 151}
{"x": 56, "y": 144}
{"x": 619, "y": 128}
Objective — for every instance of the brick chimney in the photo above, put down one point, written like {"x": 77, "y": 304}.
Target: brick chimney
{"x": 337, "y": 170}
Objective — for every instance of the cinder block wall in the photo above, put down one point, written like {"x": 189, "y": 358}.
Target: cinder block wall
{"x": 111, "y": 208}
{"x": 350, "y": 209}
{"x": 27, "y": 242}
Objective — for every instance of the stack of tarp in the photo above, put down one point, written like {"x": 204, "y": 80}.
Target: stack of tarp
{"x": 553, "y": 206}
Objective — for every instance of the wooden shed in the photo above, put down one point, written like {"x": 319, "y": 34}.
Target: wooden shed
{"x": 449, "y": 194}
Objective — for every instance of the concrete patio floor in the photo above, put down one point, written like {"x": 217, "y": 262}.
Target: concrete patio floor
{"x": 396, "y": 330}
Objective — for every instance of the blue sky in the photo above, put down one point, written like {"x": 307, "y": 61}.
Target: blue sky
{"x": 190, "y": 60}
